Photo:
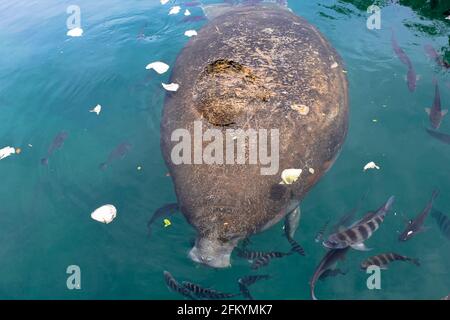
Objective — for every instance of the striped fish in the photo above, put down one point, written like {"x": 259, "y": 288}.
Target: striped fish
{"x": 319, "y": 235}
{"x": 360, "y": 231}
{"x": 244, "y": 290}
{"x": 332, "y": 273}
{"x": 249, "y": 280}
{"x": 296, "y": 247}
{"x": 265, "y": 259}
{"x": 250, "y": 255}
{"x": 175, "y": 286}
{"x": 246, "y": 281}
{"x": 443, "y": 222}
{"x": 382, "y": 260}
{"x": 206, "y": 293}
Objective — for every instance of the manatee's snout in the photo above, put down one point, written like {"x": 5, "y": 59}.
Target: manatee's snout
{"x": 212, "y": 252}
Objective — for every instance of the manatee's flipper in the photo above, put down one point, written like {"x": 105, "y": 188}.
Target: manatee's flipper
{"x": 291, "y": 222}
{"x": 166, "y": 210}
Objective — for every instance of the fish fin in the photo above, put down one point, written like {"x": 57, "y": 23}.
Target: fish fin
{"x": 428, "y": 110}
{"x": 360, "y": 247}
{"x": 444, "y": 112}
{"x": 416, "y": 261}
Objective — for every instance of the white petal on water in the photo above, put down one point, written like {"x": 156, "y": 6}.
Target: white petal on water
{"x": 75, "y": 32}
{"x": 104, "y": 214}
{"x": 158, "y": 66}
{"x": 289, "y": 176}
{"x": 190, "y": 33}
{"x": 163, "y": 1}
{"x": 187, "y": 12}
{"x": 371, "y": 165}
{"x": 175, "y": 10}
{"x": 96, "y": 109}
{"x": 170, "y": 86}
{"x": 6, "y": 152}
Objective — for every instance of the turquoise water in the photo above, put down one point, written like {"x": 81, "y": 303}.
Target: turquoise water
{"x": 49, "y": 82}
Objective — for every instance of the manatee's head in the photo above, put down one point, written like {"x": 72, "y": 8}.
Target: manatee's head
{"x": 212, "y": 252}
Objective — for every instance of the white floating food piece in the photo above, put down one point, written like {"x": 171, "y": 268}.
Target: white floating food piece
{"x": 104, "y": 214}
{"x": 158, "y": 66}
{"x": 75, "y": 32}
{"x": 311, "y": 170}
{"x": 289, "y": 176}
{"x": 96, "y": 109}
{"x": 170, "y": 86}
{"x": 190, "y": 33}
{"x": 334, "y": 65}
{"x": 175, "y": 10}
{"x": 371, "y": 165}
{"x": 163, "y": 1}
{"x": 187, "y": 12}
{"x": 6, "y": 152}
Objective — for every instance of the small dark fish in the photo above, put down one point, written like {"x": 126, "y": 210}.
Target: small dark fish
{"x": 415, "y": 226}
{"x": 331, "y": 273}
{"x": 330, "y": 258}
{"x": 442, "y": 221}
{"x": 193, "y": 18}
{"x": 443, "y": 137}
{"x": 175, "y": 286}
{"x": 244, "y": 290}
{"x": 249, "y": 280}
{"x": 399, "y": 51}
{"x": 361, "y": 230}
{"x": 266, "y": 258}
{"x": 319, "y": 235}
{"x": 118, "y": 153}
{"x": 435, "y": 113}
{"x": 296, "y": 247}
{"x": 166, "y": 210}
{"x": 382, "y": 260}
{"x": 411, "y": 78}
{"x": 206, "y": 293}
{"x": 57, "y": 143}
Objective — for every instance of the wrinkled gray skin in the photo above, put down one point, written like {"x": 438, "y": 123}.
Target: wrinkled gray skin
{"x": 249, "y": 68}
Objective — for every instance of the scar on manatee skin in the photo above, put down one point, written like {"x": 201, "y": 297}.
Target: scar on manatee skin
{"x": 224, "y": 89}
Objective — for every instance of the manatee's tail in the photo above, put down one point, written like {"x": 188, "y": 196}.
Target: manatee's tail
{"x": 44, "y": 161}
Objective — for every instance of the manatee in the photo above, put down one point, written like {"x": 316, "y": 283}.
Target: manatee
{"x": 251, "y": 67}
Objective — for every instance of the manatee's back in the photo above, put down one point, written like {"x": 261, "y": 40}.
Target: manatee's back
{"x": 254, "y": 68}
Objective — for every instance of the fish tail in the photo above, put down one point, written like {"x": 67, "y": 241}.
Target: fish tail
{"x": 435, "y": 194}
{"x": 415, "y": 261}
{"x": 44, "y": 161}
